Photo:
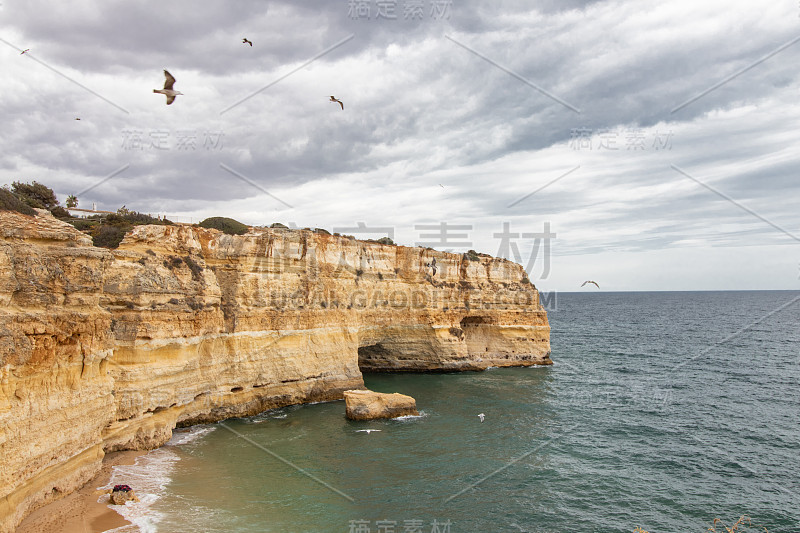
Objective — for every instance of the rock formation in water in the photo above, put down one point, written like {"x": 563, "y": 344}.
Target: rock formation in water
{"x": 369, "y": 405}
{"x": 122, "y": 494}
{"x": 110, "y": 350}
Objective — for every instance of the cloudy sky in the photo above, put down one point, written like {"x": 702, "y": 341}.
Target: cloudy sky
{"x": 645, "y": 145}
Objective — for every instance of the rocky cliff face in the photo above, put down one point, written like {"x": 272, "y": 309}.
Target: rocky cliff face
{"x": 109, "y": 350}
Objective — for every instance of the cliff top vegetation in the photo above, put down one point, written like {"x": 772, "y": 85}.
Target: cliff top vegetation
{"x": 10, "y": 202}
{"x": 225, "y": 224}
{"x": 108, "y": 231}
{"x": 21, "y": 195}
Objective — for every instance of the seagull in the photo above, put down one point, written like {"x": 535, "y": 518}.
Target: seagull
{"x": 442, "y": 186}
{"x": 334, "y": 99}
{"x": 245, "y": 41}
{"x": 26, "y": 50}
{"x": 368, "y": 431}
{"x": 481, "y": 416}
{"x": 168, "y": 83}
{"x": 77, "y": 119}
{"x": 590, "y": 281}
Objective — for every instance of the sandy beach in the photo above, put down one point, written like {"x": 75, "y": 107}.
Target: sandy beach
{"x": 80, "y": 512}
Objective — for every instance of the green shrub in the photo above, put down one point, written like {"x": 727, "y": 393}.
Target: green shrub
{"x": 83, "y": 224}
{"x": 224, "y": 224}
{"x": 108, "y": 236}
{"x": 472, "y": 255}
{"x": 60, "y": 213}
{"x": 35, "y": 194}
{"x": 108, "y": 231}
{"x": 134, "y": 218}
{"x": 10, "y": 202}
{"x": 383, "y": 240}
{"x": 279, "y": 225}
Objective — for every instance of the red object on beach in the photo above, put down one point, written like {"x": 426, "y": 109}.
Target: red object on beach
{"x": 123, "y": 488}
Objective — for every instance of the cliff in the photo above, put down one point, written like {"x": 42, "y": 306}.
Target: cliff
{"x": 109, "y": 350}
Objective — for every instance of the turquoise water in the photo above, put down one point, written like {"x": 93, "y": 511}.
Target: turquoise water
{"x": 662, "y": 410}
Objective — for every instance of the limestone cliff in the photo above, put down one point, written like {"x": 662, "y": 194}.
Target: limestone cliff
{"x": 108, "y": 350}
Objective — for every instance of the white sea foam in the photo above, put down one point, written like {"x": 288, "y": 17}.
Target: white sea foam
{"x": 149, "y": 477}
{"x": 407, "y": 418}
{"x": 181, "y": 437}
{"x": 266, "y": 416}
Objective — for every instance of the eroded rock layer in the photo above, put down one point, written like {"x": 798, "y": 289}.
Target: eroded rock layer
{"x": 109, "y": 350}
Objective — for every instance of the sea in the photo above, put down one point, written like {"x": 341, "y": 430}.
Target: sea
{"x": 662, "y": 411}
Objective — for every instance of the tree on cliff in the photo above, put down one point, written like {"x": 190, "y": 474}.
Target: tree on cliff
{"x": 10, "y": 202}
{"x": 35, "y": 194}
{"x": 39, "y": 196}
{"x": 72, "y": 201}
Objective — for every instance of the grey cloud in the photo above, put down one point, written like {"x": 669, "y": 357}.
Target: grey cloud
{"x": 417, "y": 107}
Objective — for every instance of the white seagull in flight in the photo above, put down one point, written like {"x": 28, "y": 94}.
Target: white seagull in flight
{"x": 366, "y": 430}
{"x": 169, "y": 82}
{"x": 590, "y": 281}
{"x": 481, "y": 416}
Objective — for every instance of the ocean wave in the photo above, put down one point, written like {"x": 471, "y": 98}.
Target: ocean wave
{"x": 182, "y": 437}
{"x": 149, "y": 477}
{"x": 408, "y": 418}
{"x": 266, "y": 416}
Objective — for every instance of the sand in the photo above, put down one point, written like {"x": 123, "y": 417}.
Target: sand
{"x": 79, "y": 512}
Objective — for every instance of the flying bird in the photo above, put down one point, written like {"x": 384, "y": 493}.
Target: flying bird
{"x": 334, "y": 99}
{"x": 245, "y": 41}
{"x": 168, "y": 84}
{"x": 26, "y": 50}
{"x": 77, "y": 119}
{"x": 590, "y": 281}
{"x": 481, "y": 416}
{"x": 367, "y": 431}
{"x": 442, "y": 186}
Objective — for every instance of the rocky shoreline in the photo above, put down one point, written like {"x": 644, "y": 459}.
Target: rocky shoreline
{"x": 107, "y": 350}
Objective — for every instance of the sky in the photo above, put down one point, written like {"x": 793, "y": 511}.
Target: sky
{"x": 644, "y": 145}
